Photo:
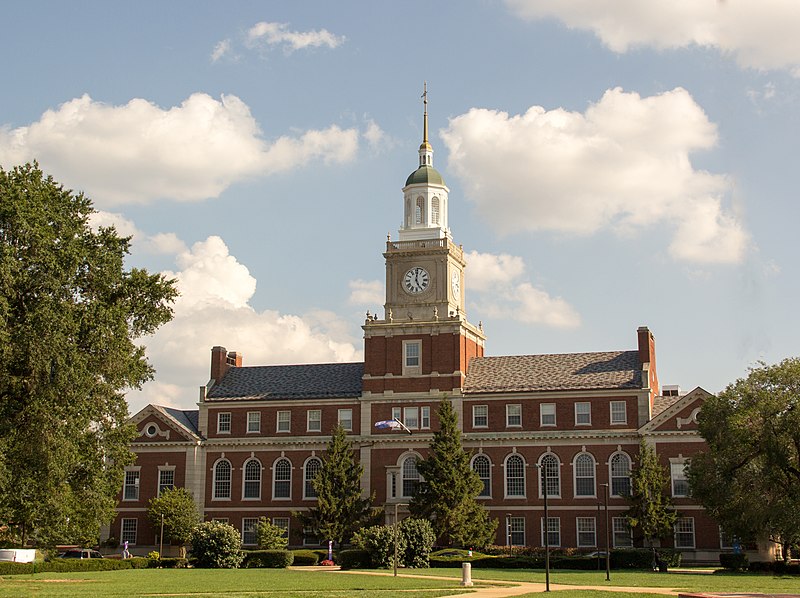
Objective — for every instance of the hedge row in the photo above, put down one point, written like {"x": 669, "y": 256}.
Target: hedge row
{"x": 777, "y": 567}
{"x": 620, "y": 559}
{"x": 268, "y": 559}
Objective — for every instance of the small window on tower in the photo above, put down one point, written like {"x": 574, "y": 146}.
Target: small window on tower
{"x": 420, "y": 211}
{"x": 412, "y": 351}
{"x": 435, "y": 210}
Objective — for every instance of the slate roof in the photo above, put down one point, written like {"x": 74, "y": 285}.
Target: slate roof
{"x": 310, "y": 381}
{"x": 568, "y": 371}
{"x": 187, "y": 419}
{"x": 661, "y": 404}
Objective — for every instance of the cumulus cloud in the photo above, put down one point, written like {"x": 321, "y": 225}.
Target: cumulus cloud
{"x": 139, "y": 152}
{"x": 160, "y": 243}
{"x": 501, "y": 291}
{"x": 761, "y": 35}
{"x": 366, "y": 292}
{"x": 214, "y": 309}
{"x": 623, "y": 164}
{"x": 271, "y": 35}
{"x": 221, "y": 49}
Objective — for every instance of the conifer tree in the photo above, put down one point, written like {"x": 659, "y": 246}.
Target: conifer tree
{"x": 341, "y": 509}
{"x": 651, "y": 508}
{"x": 446, "y": 495}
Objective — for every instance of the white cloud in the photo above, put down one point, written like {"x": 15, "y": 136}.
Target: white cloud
{"x": 221, "y": 49}
{"x": 278, "y": 34}
{"x": 623, "y": 164}
{"x": 213, "y": 309}
{"x": 761, "y": 35}
{"x": 140, "y": 152}
{"x": 377, "y": 137}
{"x": 366, "y": 292}
{"x": 495, "y": 282}
{"x": 160, "y": 243}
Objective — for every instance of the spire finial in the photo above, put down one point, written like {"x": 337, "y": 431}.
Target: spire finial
{"x": 425, "y": 116}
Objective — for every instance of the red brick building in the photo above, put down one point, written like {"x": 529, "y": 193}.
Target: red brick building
{"x": 254, "y": 444}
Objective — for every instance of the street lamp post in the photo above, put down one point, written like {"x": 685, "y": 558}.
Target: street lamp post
{"x": 508, "y": 534}
{"x": 608, "y": 549}
{"x": 543, "y": 469}
{"x": 161, "y": 538}
{"x": 396, "y": 533}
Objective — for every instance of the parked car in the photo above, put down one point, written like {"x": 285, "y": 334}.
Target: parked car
{"x": 79, "y": 553}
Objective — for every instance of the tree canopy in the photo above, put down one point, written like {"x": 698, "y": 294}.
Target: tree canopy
{"x": 177, "y": 507}
{"x": 446, "y": 495}
{"x": 651, "y": 511}
{"x": 69, "y": 316}
{"x": 749, "y": 477}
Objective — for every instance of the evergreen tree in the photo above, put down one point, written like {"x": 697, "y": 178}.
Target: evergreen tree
{"x": 180, "y": 516}
{"x": 651, "y": 508}
{"x": 447, "y": 492}
{"x": 341, "y": 509}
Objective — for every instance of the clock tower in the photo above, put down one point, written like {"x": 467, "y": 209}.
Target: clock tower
{"x": 424, "y": 342}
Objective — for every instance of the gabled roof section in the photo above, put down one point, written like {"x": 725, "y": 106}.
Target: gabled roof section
{"x": 676, "y": 413}
{"x": 187, "y": 419}
{"x": 184, "y": 423}
{"x": 540, "y": 373}
{"x": 284, "y": 382}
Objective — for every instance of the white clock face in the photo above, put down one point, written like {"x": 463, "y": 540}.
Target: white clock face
{"x": 455, "y": 284}
{"x": 416, "y": 280}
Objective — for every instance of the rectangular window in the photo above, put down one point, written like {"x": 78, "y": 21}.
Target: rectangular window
{"x": 587, "y": 531}
{"x": 249, "y": 536}
{"x": 128, "y": 531}
{"x": 284, "y": 421}
{"x": 425, "y": 417}
{"x": 547, "y": 414}
{"x": 619, "y": 413}
{"x": 553, "y": 531}
{"x": 583, "y": 414}
{"x": 411, "y": 417}
{"x": 397, "y": 413}
{"x": 283, "y": 523}
{"x": 684, "y": 532}
{"x": 412, "y": 357}
{"x": 220, "y": 519}
{"x": 513, "y": 416}
{"x": 346, "y": 419}
{"x": 680, "y": 485}
{"x": 516, "y": 531}
{"x": 131, "y": 490}
{"x": 166, "y": 480}
{"x": 309, "y": 537}
{"x": 623, "y": 534}
{"x": 253, "y": 422}
{"x": 223, "y": 423}
{"x": 480, "y": 416}
{"x": 314, "y": 420}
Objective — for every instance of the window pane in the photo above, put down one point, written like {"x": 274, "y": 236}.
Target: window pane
{"x": 252, "y": 479}
{"x": 684, "y": 532}
{"x": 515, "y": 476}
{"x": 618, "y": 414}
{"x": 622, "y": 532}
{"x": 412, "y": 354}
{"x": 410, "y": 477}
{"x": 223, "y": 422}
{"x": 166, "y": 480}
{"x": 517, "y": 531}
{"x": 131, "y": 490}
{"x": 620, "y": 475}
{"x": 584, "y": 475}
{"x": 586, "y": 531}
{"x": 425, "y": 414}
{"x": 550, "y": 468}
{"x": 480, "y": 416}
{"x": 548, "y": 414}
{"x": 222, "y": 480}
{"x": 283, "y": 479}
{"x": 482, "y": 467}
{"x": 314, "y": 420}
{"x": 312, "y": 469}
{"x": 254, "y": 421}
{"x": 284, "y": 421}
{"x": 583, "y": 413}
{"x": 513, "y": 415}
{"x": 128, "y": 531}
{"x": 346, "y": 419}
{"x": 249, "y": 535}
{"x": 411, "y": 417}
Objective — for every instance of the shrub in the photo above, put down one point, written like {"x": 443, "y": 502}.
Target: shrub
{"x": 305, "y": 557}
{"x": 153, "y": 555}
{"x": 355, "y": 558}
{"x": 268, "y": 559}
{"x": 216, "y": 545}
{"x": 379, "y": 541}
{"x": 270, "y": 537}
{"x": 734, "y": 561}
{"x": 418, "y": 536}
{"x": 173, "y": 563}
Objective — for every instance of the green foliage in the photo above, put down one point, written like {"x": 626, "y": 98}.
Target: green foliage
{"x": 651, "y": 510}
{"x": 355, "y": 558}
{"x": 153, "y": 555}
{"x": 268, "y": 559}
{"x": 446, "y": 496}
{"x": 180, "y": 515}
{"x": 270, "y": 537}
{"x": 307, "y": 558}
{"x": 341, "y": 509}
{"x": 69, "y": 315}
{"x": 749, "y": 477}
{"x": 379, "y": 542}
{"x": 734, "y": 561}
{"x": 216, "y": 545}
{"x": 419, "y": 538}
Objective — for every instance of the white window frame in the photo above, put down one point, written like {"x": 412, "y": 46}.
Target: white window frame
{"x": 522, "y": 477}
{"x": 621, "y": 528}
{"x": 411, "y": 417}
{"x": 510, "y": 409}
{"x": 252, "y": 523}
{"x": 412, "y": 358}
{"x": 224, "y": 422}
{"x": 547, "y": 415}
{"x": 214, "y": 482}
{"x": 480, "y": 416}
{"x": 550, "y": 478}
{"x": 342, "y": 419}
{"x": 132, "y": 481}
{"x": 397, "y": 413}
{"x": 617, "y": 409}
{"x": 516, "y": 527}
{"x": 424, "y": 418}
{"x": 678, "y": 479}
{"x": 163, "y": 469}
{"x": 283, "y": 422}
{"x": 486, "y": 481}
{"x": 275, "y": 480}
{"x": 593, "y": 476}
{"x": 417, "y": 479}
{"x": 245, "y": 479}
{"x": 253, "y": 422}
{"x": 308, "y": 489}
{"x": 589, "y": 525}
{"x": 129, "y": 534}
{"x": 316, "y": 420}
{"x": 583, "y": 413}
{"x": 283, "y": 523}
{"x": 613, "y": 477}
{"x": 553, "y": 527}
{"x": 684, "y": 527}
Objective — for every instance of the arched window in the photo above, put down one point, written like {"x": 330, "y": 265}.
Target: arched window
{"x": 313, "y": 465}
{"x": 550, "y": 469}
{"x": 620, "y": 474}
{"x": 409, "y": 221}
{"x": 419, "y": 215}
{"x": 482, "y": 467}
{"x": 222, "y": 479}
{"x": 584, "y": 475}
{"x": 252, "y": 479}
{"x": 282, "y": 482}
{"x": 435, "y": 210}
{"x": 515, "y": 476}
{"x": 410, "y": 477}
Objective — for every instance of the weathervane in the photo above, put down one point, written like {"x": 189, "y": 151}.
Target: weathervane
{"x": 425, "y": 117}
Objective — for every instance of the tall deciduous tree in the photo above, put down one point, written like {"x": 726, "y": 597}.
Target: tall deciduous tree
{"x": 749, "y": 478}
{"x": 180, "y": 516}
{"x": 341, "y": 508}
{"x": 651, "y": 508}
{"x": 446, "y": 496}
{"x": 69, "y": 315}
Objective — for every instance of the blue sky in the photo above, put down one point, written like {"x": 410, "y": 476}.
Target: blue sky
{"x": 611, "y": 164}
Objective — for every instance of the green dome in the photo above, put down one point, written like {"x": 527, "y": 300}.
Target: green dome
{"x": 425, "y": 175}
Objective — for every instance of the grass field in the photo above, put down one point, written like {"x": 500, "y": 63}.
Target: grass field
{"x": 299, "y": 583}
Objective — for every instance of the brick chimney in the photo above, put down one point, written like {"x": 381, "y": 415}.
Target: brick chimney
{"x": 647, "y": 358}
{"x": 221, "y": 361}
